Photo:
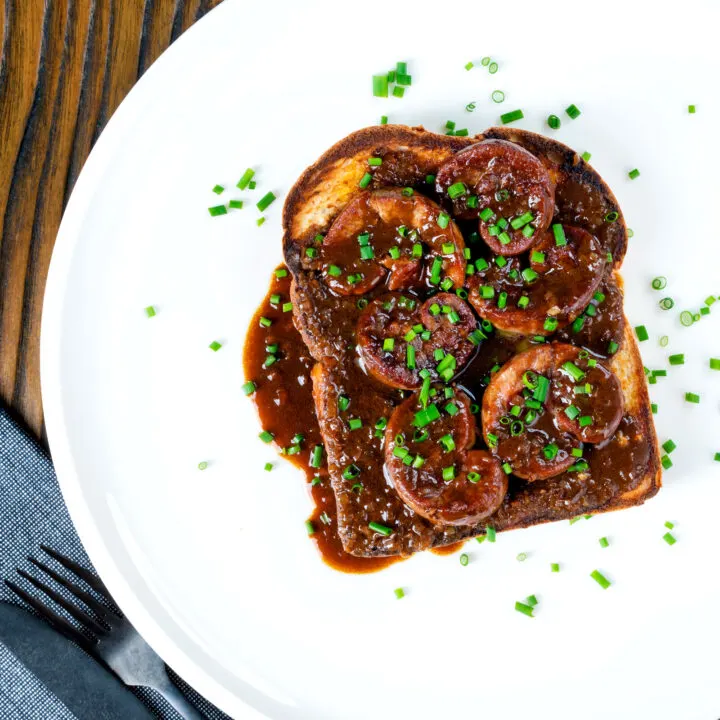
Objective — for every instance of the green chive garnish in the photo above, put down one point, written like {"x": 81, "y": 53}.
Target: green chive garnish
{"x": 554, "y": 567}
{"x": 491, "y": 534}
{"x": 573, "y": 111}
{"x": 380, "y": 529}
{"x": 380, "y": 85}
{"x": 633, "y": 174}
{"x": 464, "y": 559}
{"x": 399, "y": 593}
{"x": 246, "y": 178}
{"x": 600, "y": 579}
{"x": 604, "y": 542}
{"x": 265, "y": 201}
{"x": 249, "y": 387}
{"x": 692, "y": 397}
{"x": 215, "y": 345}
{"x": 524, "y": 609}
{"x": 668, "y": 446}
{"x": 202, "y": 465}
{"x": 365, "y": 180}
{"x": 150, "y": 311}
{"x": 553, "y": 121}
{"x": 669, "y": 538}
{"x": 642, "y": 333}
{"x": 511, "y": 116}
{"x": 217, "y": 210}
{"x": 678, "y": 359}
{"x": 235, "y": 204}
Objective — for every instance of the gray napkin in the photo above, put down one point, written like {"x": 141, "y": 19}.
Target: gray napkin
{"x": 32, "y": 512}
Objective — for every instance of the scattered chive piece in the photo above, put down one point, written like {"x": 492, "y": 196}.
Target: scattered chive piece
{"x": 249, "y": 387}
{"x": 265, "y": 201}
{"x": 202, "y": 465}
{"x": 668, "y": 446}
{"x": 316, "y": 456}
{"x": 464, "y": 559}
{"x": 456, "y": 190}
{"x": 686, "y": 318}
{"x": 604, "y": 542}
{"x": 403, "y": 79}
{"x": 550, "y": 324}
{"x": 554, "y": 567}
{"x": 365, "y": 180}
{"x": 659, "y": 283}
{"x": 383, "y": 119}
{"x": 498, "y": 96}
{"x": 265, "y": 322}
{"x": 669, "y": 525}
{"x": 246, "y": 178}
{"x": 669, "y": 538}
{"x": 717, "y": 457}
{"x": 309, "y": 527}
{"x": 492, "y": 68}
{"x": 678, "y": 359}
{"x": 215, "y": 345}
{"x": 521, "y": 557}
{"x": 217, "y": 210}
{"x": 260, "y": 221}
{"x": 443, "y": 219}
{"x": 469, "y": 66}
{"x": 380, "y": 529}
{"x": 531, "y": 600}
{"x": 573, "y": 111}
{"x": 374, "y": 161}
{"x": 398, "y": 91}
{"x": 252, "y": 185}
{"x": 266, "y": 436}
{"x": 524, "y": 609}
{"x": 692, "y": 397}
{"x": 666, "y": 462}
{"x": 235, "y": 204}
{"x": 281, "y": 273}
{"x": 559, "y": 233}
{"x": 399, "y": 593}
{"x": 633, "y": 174}
{"x": 553, "y": 121}
{"x": 380, "y": 85}
{"x": 642, "y": 333}
{"x": 691, "y": 109}
{"x": 715, "y": 363}
{"x": 287, "y": 307}
{"x": 355, "y": 423}
{"x": 600, "y": 579}
{"x": 491, "y": 534}
{"x": 268, "y": 466}
{"x": 218, "y": 189}
{"x": 151, "y": 312}
{"x": 612, "y": 347}
{"x": 586, "y": 156}
{"x": 511, "y": 116}
{"x": 654, "y": 408}
{"x": 485, "y": 61}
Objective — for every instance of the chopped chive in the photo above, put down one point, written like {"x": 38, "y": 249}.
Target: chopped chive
{"x": 586, "y": 156}
{"x": 246, "y": 178}
{"x": 604, "y": 542}
{"x": 443, "y": 219}
{"x": 612, "y": 347}
{"x": 573, "y": 111}
{"x": 521, "y": 557}
{"x": 572, "y": 412}
{"x": 559, "y": 233}
{"x": 686, "y": 318}
{"x": 511, "y": 116}
{"x": 715, "y": 363}
{"x": 380, "y": 85}
{"x": 654, "y": 408}
{"x": 692, "y": 397}
{"x": 521, "y": 220}
{"x": 281, "y": 273}
{"x": 554, "y": 567}
{"x": 365, "y": 180}
{"x": 550, "y": 324}
{"x": 612, "y": 216}
{"x": 265, "y": 322}
{"x": 678, "y": 359}
{"x": 399, "y": 593}
{"x": 268, "y": 466}
{"x": 669, "y": 538}
{"x": 573, "y": 370}
{"x": 600, "y": 579}
{"x": 667, "y": 303}
{"x": 265, "y": 201}
{"x": 235, "y": 204}
{"x": 524, "y": 609}
{"x": 642, "y": 333}
{"x": 355, "y": 423}
{"x": 374, "y": 161}
{"x": 553, "y": 121}
{"x": 666, "y": 462}
{"x": 398, "y": 91}
{"x": 469, "y": 65}
{"x": 316, "y": 456}
{"x": 217, "y": 210}
{"x": 456, "y": 190}
{"x": 215, "y": 345}
{"x": 260, "y": 221}
{"x": 383, "y": 119}
{"x": 491, "y": 534}
{"x": 498, "y": 96}
{"x": 380, "y": 529}
{"x": 266, "y": 436}
{"x": 150, "y": 311}
{"x": 633, "y": 174}
{"x": 309, "y": 527}
{"x": 668, "y": 446}
{"x": 249, "y": 387}
{"x": 492, "y": 68}
{"x": 464, "y": 559}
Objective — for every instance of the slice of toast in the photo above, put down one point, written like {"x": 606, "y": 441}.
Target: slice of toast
{"x": 327, "y": 324}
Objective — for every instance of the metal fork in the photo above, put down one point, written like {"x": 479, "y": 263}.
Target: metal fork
{"x": 118, "y": 646}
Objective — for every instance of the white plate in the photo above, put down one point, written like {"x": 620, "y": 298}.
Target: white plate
{"x": 214, "y": 567}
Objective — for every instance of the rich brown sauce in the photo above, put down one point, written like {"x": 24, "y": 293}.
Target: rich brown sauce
{"x": 285, "y": 404}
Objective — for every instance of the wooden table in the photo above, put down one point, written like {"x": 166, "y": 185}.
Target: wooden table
{"x": 66, "y": 66}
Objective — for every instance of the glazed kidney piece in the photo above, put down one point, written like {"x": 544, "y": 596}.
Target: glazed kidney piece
{"x": 391, "y": 235}
{"x": 542, "y": 405}
{"x": 400, "y": 339}
{"x": 429, "y": 459}
{"x": 503, "y": 185}
{"x": 543, "y": 291}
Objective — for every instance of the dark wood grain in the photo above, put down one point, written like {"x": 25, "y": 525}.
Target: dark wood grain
{"x": 65, "y": 66}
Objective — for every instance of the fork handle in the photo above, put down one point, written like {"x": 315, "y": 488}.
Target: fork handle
{"x": 173, "y": 695}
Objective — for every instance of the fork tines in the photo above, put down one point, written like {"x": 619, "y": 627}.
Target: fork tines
{"x": 93, "y": 629}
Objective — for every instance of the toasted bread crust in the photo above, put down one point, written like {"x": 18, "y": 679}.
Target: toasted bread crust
{"x": 326, "y": 187}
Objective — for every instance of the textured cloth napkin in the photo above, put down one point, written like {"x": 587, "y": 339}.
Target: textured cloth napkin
{"x": 32, "y": 512}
